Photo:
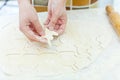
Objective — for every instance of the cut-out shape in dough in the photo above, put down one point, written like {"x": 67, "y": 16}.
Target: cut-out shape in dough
{"x": 49, "y": 35}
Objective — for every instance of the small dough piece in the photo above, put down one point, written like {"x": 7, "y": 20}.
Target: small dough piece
{"x": 49, "y": 35}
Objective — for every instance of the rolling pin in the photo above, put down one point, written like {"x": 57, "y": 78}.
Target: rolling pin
{"x": 114, "y": 18}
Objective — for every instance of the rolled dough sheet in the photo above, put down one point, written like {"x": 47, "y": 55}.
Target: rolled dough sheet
{"x": 78, "y": 47}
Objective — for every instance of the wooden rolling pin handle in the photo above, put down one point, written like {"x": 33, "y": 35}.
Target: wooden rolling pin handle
{"x": 114, "y": 18}
{"x": 109, "y": 9}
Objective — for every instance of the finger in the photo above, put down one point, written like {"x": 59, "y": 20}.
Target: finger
{"x": 33, "y": 29}
{"x": 63, "y": 23}
{"x": 61, "y": 29}
{"x": 28, "y": 33}
{"x": 31, "y": 35}
{"x": 48, "y": 19}
{"x": 56, "y": 27}
{"x": 60, "y": 21}
{"x": 38, "y": 27}
{"x": 53, "y": 22}
{"x": 49, "y": 13}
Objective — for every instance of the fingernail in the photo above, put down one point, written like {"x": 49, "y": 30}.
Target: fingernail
{"x": 42, "y": 33}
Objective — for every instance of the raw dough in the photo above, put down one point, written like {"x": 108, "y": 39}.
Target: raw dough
{"x": 49, "y": 35}
{"x": 78, "y": 47}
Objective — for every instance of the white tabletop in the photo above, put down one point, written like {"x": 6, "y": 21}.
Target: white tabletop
{"x": 106, "y": 67}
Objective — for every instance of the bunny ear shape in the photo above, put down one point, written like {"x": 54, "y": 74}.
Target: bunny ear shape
{"x": 49, "y": 35}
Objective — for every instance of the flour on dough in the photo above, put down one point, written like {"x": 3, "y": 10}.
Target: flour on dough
{"x": 78, "y": 47}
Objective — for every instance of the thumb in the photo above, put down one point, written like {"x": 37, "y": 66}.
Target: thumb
{"x": 53, "y": 22}
{"x": 48, "y": 19}
{"x": 38, "y": 27}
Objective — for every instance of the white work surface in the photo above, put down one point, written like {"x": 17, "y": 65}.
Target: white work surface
{"x": 106, "y": 67}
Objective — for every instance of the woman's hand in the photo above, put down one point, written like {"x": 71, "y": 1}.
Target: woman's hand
{"x": 57, "y": 17}
{"x": 29, "y": 23}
